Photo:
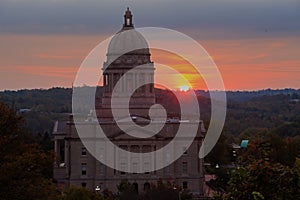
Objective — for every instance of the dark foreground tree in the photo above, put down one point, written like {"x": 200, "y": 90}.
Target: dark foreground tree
{"x": 263, "y": 179}
{"x": 24, "y": 165}
{"x": 160, "y": 191}
{"x": 81, "y": 193}
{"x": 127, "y": 190}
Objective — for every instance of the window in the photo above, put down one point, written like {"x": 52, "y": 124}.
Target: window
{"x": 129, "y": 85}
{"x": 135, "y": 167}
{"x": 83, "y": 168}
{"x": 101, "y": 168}
{"x": 184, "y": 167}
{"x": 129, "y": 80}
{"x": 147, "y": 167}
{"x": 83, "y": 184}
{"x": 83, "y": 151}
{"x": 167, "y": 169}
{"x": 151, "y": 87}
{"x": 185, "y": 185}
{"x": 146, "y": 186}
{"x": 128, "y": 21}
{"x": 168, "y": 158}
{"x": 123, "y": 167}
{"x": 115, "y": 78}
{"x": 61, "y": 146}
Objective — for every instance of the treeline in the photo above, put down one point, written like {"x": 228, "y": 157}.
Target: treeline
{"x": 39, "y": 107}
{"x": 272, "y": 110}
{"x": 56, "y": 100}
{"x": 279, "y": 114}
{"x": 248, "y": 95}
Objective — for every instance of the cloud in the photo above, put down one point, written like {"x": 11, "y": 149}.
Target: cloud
{"x": 44, "y": 61}
{"x": 54, "y": 57}
{"x": 206, "y": 18}
{"x": 49, "y": 71}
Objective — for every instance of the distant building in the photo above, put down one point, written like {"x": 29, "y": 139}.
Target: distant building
{"x": 76, "y": 166}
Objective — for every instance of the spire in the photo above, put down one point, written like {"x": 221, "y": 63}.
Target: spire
{"x": 128, "y": 19}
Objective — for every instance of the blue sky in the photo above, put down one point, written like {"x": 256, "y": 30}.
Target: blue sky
{"x": 235, "y": 18}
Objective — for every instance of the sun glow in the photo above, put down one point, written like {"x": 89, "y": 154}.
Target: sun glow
{"x": 184, "y": 88}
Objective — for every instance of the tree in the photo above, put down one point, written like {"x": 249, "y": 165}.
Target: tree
{"x": 24, "y": 165}
{"x": 221, "y": 153}
{"x": 263, "y": 179}
{"x": 81, "y": 193}
{"x": 168, "y": 190}
{"x": 127, "y": 190}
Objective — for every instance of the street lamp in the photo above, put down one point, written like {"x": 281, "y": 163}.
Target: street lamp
{"x": 97, "y": 189}
{"x": 179, "y": 192}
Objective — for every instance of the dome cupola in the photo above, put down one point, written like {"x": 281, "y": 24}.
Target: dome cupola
{"x": 127, "y": 38}
{"x": 128, "y": 19}
{"x": 127, "y": 50}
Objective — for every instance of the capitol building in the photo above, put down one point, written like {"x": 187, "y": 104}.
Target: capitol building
{"x": 75, "y": 165}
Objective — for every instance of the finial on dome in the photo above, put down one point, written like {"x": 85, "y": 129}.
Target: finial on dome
{"x": 128, "y": 19}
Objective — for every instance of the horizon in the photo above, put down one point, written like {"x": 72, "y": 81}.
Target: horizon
{"x": 177, "y": 90}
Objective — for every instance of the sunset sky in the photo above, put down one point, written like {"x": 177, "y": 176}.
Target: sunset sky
{"x": 254, "y": 43}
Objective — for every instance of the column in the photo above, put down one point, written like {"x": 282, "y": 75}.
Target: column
{"x": 153, "y": 161}
{"x": 56, "y": 150}
{"x": 104, "y": 83}
{"x": 111, "y": 82}
{"x": 141, "y": 163}
{"x": 128, "y": 159}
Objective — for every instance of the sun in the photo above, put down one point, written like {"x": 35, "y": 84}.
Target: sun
{"x": 184, "y": 88}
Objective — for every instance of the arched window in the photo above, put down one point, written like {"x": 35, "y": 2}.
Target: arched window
{"x": 146, "y": 186}
{"x": 136, "y": 187}
{"x": 128, "y": 21}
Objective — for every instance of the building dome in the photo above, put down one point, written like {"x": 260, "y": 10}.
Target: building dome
{"x": 127, "y": 38}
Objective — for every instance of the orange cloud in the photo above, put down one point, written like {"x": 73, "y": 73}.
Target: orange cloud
{"x": 49, "y": 71}
{"x": 244, "y": 64}
{"x": 252, "y": 64}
